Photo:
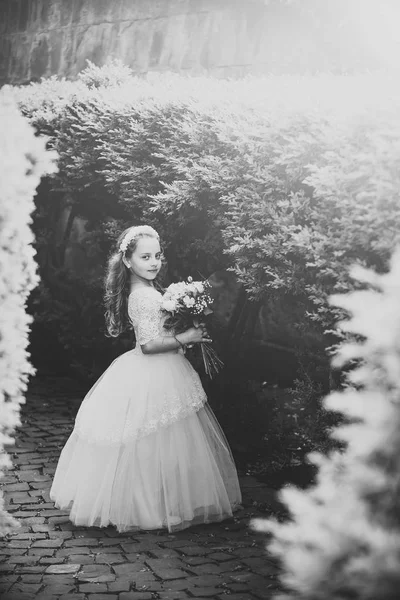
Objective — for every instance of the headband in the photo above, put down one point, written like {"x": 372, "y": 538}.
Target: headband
{"x": 134, "y": 233}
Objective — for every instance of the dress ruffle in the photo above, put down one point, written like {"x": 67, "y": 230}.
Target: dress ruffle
{"x": 178, "y": 476}
{"x": 138, "y": 394}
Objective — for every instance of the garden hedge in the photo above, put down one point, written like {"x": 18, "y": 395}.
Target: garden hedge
{"x": 23, "y": 161}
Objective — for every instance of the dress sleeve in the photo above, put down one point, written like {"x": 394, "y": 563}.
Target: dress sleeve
{"x": 145, "y": 314}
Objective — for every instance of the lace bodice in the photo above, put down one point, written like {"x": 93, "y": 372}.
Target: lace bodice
{"x": 144, "y": 310}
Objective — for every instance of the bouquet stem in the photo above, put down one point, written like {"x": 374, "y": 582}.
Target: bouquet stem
{"x": 212, "y": 363}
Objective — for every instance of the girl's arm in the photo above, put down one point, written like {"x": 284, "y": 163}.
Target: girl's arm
{"x": 194, "y": 335}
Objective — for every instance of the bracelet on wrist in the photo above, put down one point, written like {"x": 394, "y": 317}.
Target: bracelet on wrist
{"x": 180, "y": 343}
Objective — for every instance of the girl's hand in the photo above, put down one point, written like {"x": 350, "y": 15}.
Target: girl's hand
{"x": 195, "y": 335}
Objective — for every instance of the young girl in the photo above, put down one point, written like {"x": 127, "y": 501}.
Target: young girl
{"x": 146, "y": 451}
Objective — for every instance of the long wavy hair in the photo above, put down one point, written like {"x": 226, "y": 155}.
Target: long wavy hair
{"x": 117, "y": 283}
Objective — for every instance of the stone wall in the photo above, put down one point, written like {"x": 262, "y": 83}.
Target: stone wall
{"x": 224, "y": 38}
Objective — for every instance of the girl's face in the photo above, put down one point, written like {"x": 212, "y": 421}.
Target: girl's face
{"x": 145, "y": 261}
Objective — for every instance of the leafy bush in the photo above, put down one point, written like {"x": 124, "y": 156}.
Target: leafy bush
{"x": 268, "y": 177}
{"x": 23, "y": 161}
{"x": 344, "y": 537}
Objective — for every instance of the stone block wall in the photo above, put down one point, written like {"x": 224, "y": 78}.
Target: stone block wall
{"x": 224, "y": 38}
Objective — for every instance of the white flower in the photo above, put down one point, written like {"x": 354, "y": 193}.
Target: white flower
{"x": 188, "y": 301}
{"x": 169, "y": 305}
{"x": 199, "y": 286}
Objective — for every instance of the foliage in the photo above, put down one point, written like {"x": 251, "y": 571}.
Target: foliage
{"x": 23, "y": 161}
{"x": 344, "y": 537}
{"x": 269, "y": 177}
{"x": 272, "y": 429}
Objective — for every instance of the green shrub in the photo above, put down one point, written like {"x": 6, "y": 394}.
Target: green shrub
{"x": 23, "y": 161}
{"x": 271, "y": 178}
{"x": 343, "y": 538}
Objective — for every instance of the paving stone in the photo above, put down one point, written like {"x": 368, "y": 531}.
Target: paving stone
{"x": 206, "y": 580}
{"x": 95, "y": 574}
{"x": 196, "y": 550}
{"x": 22, "y": 560}
{"x": 167, "y": 563}
{"x": 111, "y": 541}
{"x": 195, "y": 560}
{"x": 164, "y": 553}
{"x": 109, "y": 559}
{"x": 41, "y": 552}
{"x": 83, "y": 559}
{"x": 118, "y": 586}
{"x": 54, "y": 579}
{"x": 67, "y": 551}
{"x": 103, "y": 596}
{"x": 142, "y": 580}
{"x": 208, "y": 569}
{"x": 65, "y": 535}
{"x": 23, "y": 498}
{"x": 19, "y": 544}
{"x": 54, "y": 543}
{"x": 29, "y": 569}
{"x": 28, "y": 535}
{"x": 72, "y": 597}
{"x": 100, "y": 549}
{"x": 89, "y": 532}
{"x": 15, "y": 487}
{"x": 81, "y": 542}
{"x": 135, "y": 596}
{"x": 50, "y": 513}
{"x": 181, "y": 543}
{"x": 173, "y": 595}
{"x": 206, "y": 592}
{"x": 243, "y": 596}
{"x": 41, "y": 484}
{"x": 26, "y": 588}
{"x": 28, "y": 475}
{"x": 230, "y": 565}
{"x": 21, "y": 513}
{"x": 237, "y": 587}
{"x": 16, "y": 596}
{"x": 61, "y": 569}
{"x": 93, "y": 588}
{"x": 220, "y": 556}
{"x": 8, "y": 479}
{"x": 42, "y": 528}
{"x": 34, "y": 578}
{"x": 131, "y": 567}
{"x": 151, "y": 586}
{"x": 48, "y": 560}
{"x": 55, "y": 590}
{"x": 13, "y": 552}
{"x": 250, "y": 552}
{"x": 7, "y": 582}
{"x": 261, "y": 564}
{"x": 59, "y": 520}
{"x": 175, "y": 584}
{"x": 170, "y": 573}
{"x": 137, "y": 547}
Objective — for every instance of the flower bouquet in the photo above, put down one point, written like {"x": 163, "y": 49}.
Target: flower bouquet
{"x": 185, "y": 303}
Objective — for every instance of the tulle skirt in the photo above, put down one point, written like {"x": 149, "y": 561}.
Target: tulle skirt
{"x": 147, "y": 451}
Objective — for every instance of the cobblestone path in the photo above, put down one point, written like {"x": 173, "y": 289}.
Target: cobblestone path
{"x": 49, "y": 557}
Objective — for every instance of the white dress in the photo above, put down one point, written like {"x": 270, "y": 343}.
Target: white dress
{"x": 146, "y": 451}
